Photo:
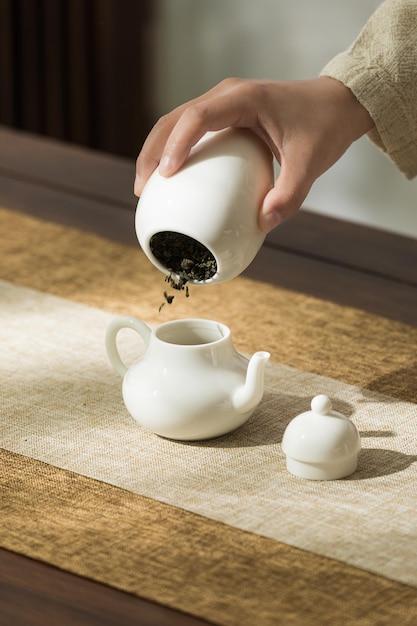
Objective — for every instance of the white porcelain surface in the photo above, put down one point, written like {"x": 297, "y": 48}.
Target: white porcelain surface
{"x": 321, "y": 444}
{"x": 190, "y": 383}
{"x": 215, "y": 198}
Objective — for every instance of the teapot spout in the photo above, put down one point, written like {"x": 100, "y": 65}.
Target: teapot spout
{"x": 247, "y": 397}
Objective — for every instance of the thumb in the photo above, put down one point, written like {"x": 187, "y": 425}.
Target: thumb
{"x": 286, "y": 197}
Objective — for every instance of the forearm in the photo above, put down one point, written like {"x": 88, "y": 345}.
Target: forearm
{"x": 380, "y": 68}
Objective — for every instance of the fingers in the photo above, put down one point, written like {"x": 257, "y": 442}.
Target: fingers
{"x": 143, "y": 172}
{"x": 170, "y": 141}
{"x": 190, "y": 127}
{"x": 286, "y": 197}
{"x": 149, "y": 157}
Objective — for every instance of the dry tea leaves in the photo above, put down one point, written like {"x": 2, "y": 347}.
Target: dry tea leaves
{"x": 185, "y": 258}
{"x": 168, "y": 299}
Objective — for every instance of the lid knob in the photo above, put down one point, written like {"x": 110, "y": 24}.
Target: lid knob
{"x": 321, "y": 404}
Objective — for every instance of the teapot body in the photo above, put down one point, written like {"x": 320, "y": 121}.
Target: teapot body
{"x": 185, "y": 396}
{"x": 184, "y": 386}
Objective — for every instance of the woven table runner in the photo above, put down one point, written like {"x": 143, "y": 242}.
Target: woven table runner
{"x": 188, "y": 525}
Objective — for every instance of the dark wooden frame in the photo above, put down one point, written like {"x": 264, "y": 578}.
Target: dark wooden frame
{"x": 78, "y": 70}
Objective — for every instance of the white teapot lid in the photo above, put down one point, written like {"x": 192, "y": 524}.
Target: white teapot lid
{"x": 321, "y": 444}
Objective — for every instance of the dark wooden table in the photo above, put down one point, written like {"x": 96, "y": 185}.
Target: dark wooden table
{"x": 348, "y": 264}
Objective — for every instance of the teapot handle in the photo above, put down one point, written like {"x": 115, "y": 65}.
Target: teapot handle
{"x": 111, "y": 334}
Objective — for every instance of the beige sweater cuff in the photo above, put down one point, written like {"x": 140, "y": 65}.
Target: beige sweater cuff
{"x": 380, "y": 69}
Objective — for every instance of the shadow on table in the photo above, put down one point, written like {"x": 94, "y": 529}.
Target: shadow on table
{"x": 268, "y": 423}
{"x": 374, "y": 462}
{"x": 400, "y": 384}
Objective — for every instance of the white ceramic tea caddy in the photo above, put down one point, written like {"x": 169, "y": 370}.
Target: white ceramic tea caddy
{"x": 190, "y": 383}
{"x": 321, "y": 444}
{"x": 213, "y": 199}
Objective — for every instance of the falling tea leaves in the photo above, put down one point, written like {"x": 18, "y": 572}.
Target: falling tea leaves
{"x": 185, "y": 258}
{"x": 168, "y": 299}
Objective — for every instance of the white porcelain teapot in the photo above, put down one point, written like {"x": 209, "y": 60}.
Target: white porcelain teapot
{"x": 190, "y": 383}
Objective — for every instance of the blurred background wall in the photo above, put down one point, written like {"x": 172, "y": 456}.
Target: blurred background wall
{"x": 100, "y": 72}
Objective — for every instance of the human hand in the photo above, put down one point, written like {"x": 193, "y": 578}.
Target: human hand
{"x": 308, "y": 125}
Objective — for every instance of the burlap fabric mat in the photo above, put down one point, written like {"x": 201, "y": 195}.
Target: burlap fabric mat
{"x": 216, "y": 570}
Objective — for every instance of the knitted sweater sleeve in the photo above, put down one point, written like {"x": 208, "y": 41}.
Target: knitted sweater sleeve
{"x": 380, "y": 68}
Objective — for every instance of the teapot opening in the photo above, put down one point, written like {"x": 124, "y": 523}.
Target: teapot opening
{"x": 191, "y": 332}
{"x": 185, "y": 257}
